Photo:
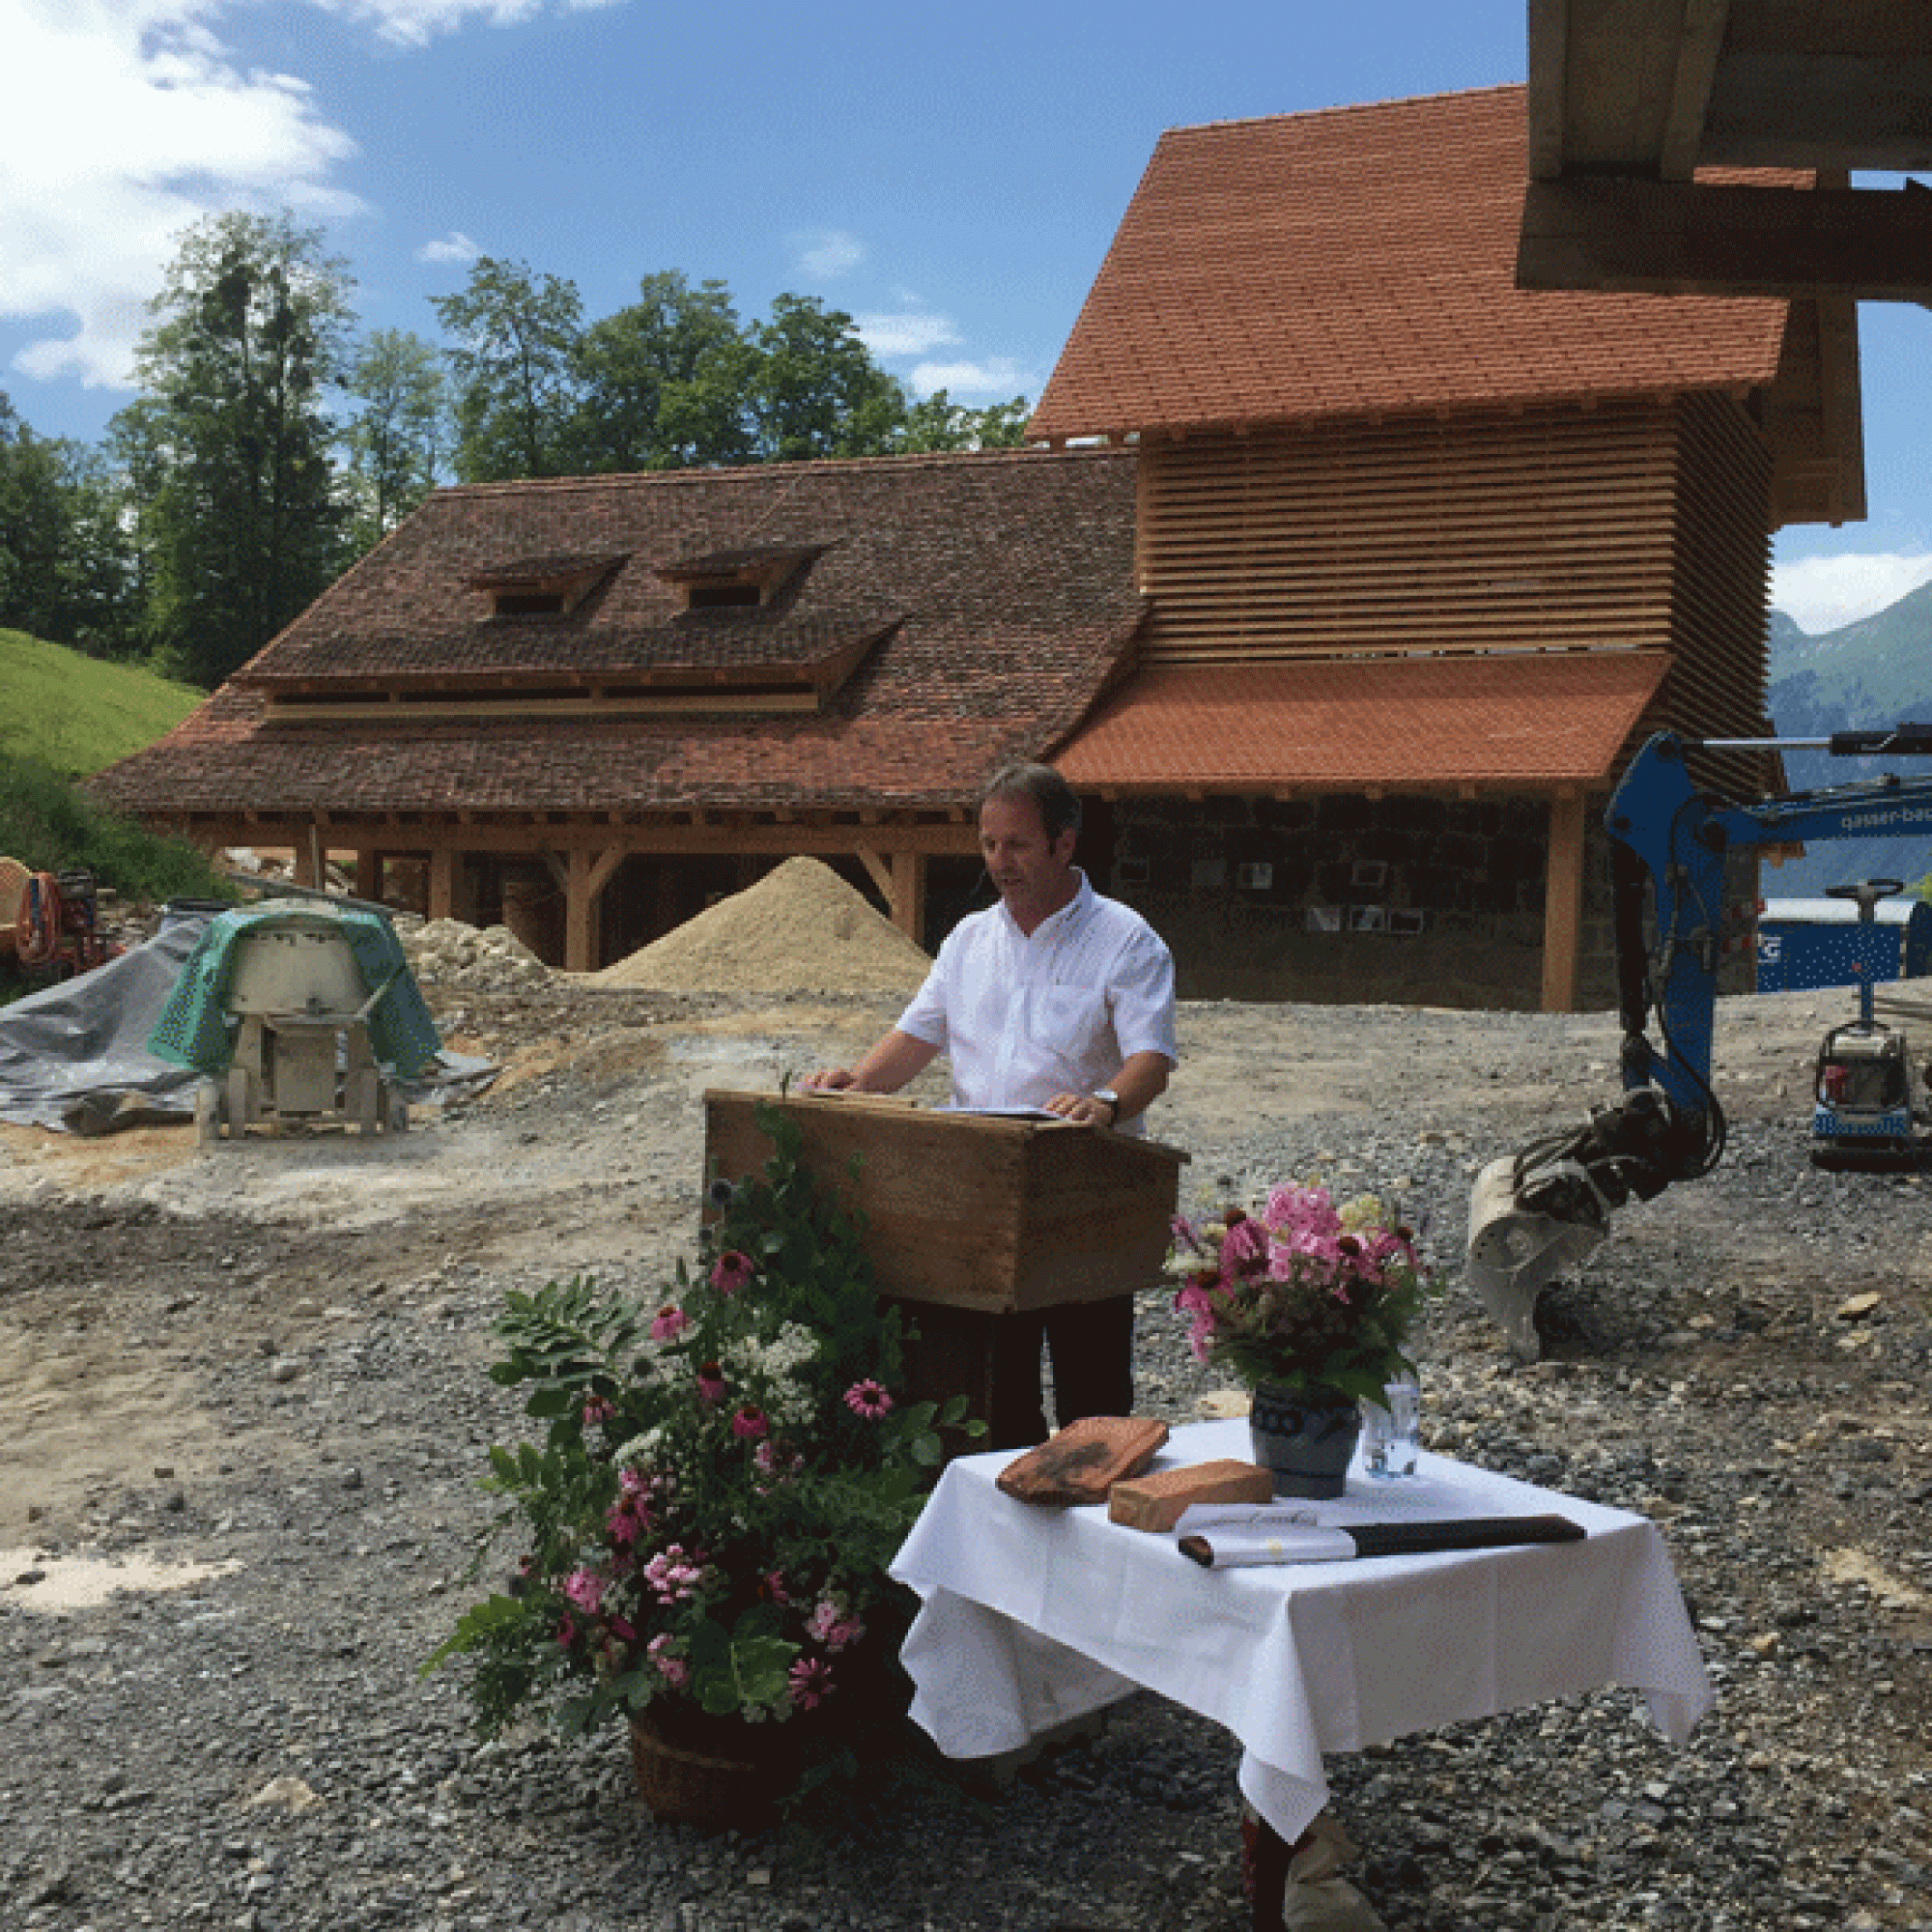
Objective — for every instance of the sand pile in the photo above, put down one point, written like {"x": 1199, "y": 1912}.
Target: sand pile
{"x": 800, "y": 929}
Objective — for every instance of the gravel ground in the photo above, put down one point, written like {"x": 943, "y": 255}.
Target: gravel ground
{"x": 265, "y": 1360}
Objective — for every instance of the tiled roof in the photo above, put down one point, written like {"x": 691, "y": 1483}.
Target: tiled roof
{"x": 1527, "y": 718}
{"x": 1361, "y": 261}
{"x": 998, "y": 588}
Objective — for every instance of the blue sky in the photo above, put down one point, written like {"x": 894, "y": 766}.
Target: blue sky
{"x": 950, "y": 177}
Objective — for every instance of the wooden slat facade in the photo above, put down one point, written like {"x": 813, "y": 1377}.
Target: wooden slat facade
{"x": 1541, "y": 530}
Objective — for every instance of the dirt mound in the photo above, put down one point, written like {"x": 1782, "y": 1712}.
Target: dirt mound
{"x": 800, "y": 929}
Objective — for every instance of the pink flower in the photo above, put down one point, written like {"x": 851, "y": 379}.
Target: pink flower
{"x": 673, "y": 1669}
{"x": 810, "y": 1682}
{"x": 868, "y": 1400}
{"x": 748, "y": 1424}
{"x": 669, "y": 1322}
{"x": 730, "y": 1272}
{"x": 596, "y": 1411}
{"x": 711, "y": 1381}
{"x": 621, "y": 1524}
{"x": 620, "y": 1628}
{"x": 585, "y": 1588}
{"x": 829, "y": 1626}
{"x": 775, "y": 1586}
{"x": 566, "y": 1630}
{"x": 671, "y": 1575}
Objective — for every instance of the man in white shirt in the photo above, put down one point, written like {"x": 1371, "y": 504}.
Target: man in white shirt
{"x": 1055, "y": 998}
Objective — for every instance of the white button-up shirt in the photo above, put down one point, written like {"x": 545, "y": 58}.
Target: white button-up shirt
{"x": 1023, "y": 1018}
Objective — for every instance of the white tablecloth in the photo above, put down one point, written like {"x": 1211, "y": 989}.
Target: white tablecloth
{"x": 1033, "y": 1617}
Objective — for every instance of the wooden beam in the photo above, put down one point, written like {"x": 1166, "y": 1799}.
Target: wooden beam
{"x": 441, "y": 892}
{"x": 1628, "y": 237}
{"x": 1563, "y": 904}
{"x": 1548, "y": 63}
{"x": 368, "y": 873}
{"x": 882, "y": 872}
{"x": 1698, "y": 43}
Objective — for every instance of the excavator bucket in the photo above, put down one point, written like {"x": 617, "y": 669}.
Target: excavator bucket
{"x": 1516, "y": 1251}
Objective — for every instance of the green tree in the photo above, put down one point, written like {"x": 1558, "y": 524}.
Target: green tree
{"x": 514, "y": 360}
{"x": 31, "y": 526}
{"x": 400, "y": 439}
{"x": 814, "y": 389}
{"x": 663, "y": 382}
{"x": 65, "y": 558}
{"x": 245, "y": 524}
{"x": 938, "y": 423}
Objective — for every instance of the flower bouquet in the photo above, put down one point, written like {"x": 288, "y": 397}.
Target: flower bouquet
{"x": 723, "y": 1480}
{"x": 1306, "y": 1295}
{"x": 1311, "y": 1305}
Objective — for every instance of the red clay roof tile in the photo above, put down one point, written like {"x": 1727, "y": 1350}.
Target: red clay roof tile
{"x": 1361, "y": 259}
{"x": 999, "y": 586}
{"x": 1530, "y": 718}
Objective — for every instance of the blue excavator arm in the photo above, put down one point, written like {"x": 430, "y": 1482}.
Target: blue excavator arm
{"x": 1534, "y": 1214}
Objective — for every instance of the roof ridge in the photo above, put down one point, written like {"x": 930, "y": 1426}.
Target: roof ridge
{"x": 1340, "y": 108}
{"x": 815, "y": 465}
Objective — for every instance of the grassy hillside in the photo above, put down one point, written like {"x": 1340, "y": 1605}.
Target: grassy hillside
{"x": 76, "y": 713}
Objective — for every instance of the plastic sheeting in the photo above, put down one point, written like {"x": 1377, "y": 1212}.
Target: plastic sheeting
{"x": 88, "y": 1035}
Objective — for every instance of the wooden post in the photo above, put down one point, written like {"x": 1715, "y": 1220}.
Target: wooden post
{"x": 586, "y": 877}
{"x": 368, "y": 874}
{"x": 1563, "y": 902}
{"x": 441, "y": 882}
{"x": 908, "y": 896}
{"x": 309, "y": 867}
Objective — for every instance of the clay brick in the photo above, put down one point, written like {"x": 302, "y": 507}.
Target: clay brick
{"x": 1082, "y": 1462}
{"x": 1156, "y": 1502}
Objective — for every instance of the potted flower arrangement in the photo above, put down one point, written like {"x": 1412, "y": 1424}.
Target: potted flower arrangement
{"x": 1311, "y": 1304}
{"x": 724, "y": 1476}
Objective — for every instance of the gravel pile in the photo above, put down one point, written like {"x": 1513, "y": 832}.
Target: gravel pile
{"x": 254, "y": 1748}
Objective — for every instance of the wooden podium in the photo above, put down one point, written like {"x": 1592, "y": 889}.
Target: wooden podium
{"x": 971, "y": 1218}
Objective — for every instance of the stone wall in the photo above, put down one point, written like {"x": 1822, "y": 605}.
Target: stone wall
{"x": 1398, "y": 900}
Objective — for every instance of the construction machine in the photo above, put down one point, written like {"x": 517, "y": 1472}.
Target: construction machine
{"x": 1537, "y": 1213}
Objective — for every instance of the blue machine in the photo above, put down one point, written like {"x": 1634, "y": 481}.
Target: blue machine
{"x": 1822, "y": 942}
{"x": 1533, "y": 1213}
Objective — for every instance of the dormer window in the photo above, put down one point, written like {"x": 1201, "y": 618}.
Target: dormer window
{"x": 542, "y": 587}
{"x": 737, "y": 579}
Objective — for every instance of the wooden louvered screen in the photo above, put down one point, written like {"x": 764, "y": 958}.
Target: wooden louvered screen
{"x": 1720, "y": 596}
{"x": 1637, "y": 525}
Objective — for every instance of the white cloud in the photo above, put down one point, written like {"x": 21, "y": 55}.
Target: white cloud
{"x": 827, "y": 253}
{"x": 415, "y": 24}
{"x": 910, "y": 333}
{"x": 1000, "y": 379}
{"x": 455, "y": 246}
{"x": 1825, "y": 593}
{"x": 126, "y": 120}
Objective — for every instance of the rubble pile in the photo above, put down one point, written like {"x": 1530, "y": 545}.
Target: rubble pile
{"x": 800, "y": 929}
{"x": 445, "y": 952}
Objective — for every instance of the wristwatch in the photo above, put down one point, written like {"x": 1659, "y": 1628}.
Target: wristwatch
{"x": 1113, "y": 1100}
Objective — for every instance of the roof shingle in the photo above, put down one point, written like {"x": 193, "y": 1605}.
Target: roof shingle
{"x": 1531, "y": 719}
{"x": 1361, "y": 259}
{"x": 996, "y": 591}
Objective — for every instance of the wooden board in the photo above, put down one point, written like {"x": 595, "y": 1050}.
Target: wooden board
{"x": 973, "y": 1211}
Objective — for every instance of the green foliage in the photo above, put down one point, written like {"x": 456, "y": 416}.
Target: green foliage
{"x": 49, "y": 827}
{"x": 937, "y": 423}
{"x": 662, "y": 383}
{"x": 65, "y": 558}
{"x": 400, "y": 439}
{"x": 514, "y": 364}
{"x": 246, "y": 526}
{"x": 76, "y": 713}
{"x": 719, "y": 1484}
{"x": 814, "y": 389}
